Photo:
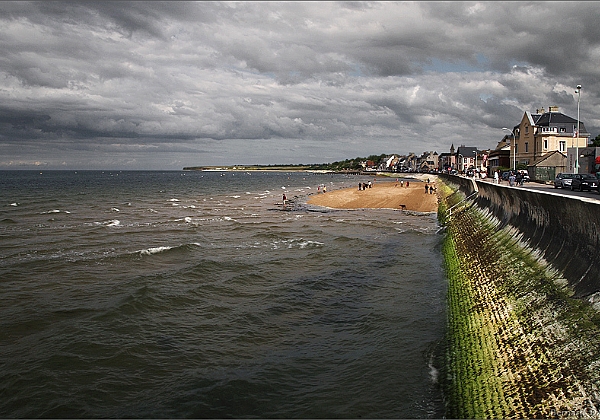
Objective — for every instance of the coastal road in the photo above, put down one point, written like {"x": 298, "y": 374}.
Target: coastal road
{"x": 535, "y": 186}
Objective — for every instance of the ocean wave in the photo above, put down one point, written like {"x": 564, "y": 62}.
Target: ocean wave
{"x": 296, "y": 243}
{"x": 113, "y": 223}
{"x": 166, "y": 248}
{"x": 155, "y": 250}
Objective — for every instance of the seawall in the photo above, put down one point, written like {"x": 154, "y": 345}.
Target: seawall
{"x": 564, "y": 230}
{"x": 522, "y": 341}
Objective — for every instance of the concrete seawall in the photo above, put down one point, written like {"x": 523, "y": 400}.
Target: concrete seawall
{"x": 522, "y": 342}
{"x": 564, "y": 230}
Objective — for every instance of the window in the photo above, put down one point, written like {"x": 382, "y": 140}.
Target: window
{"x": 562, "y": 146}
{"x": 563, "y": 130}
{"x": 526, "y": 147}
{"x": 545, "y": 144}
{"x": 526, "y": 129}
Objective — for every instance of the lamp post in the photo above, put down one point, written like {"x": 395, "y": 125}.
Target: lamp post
{"x": 475, "y": 168}
{"x": 513, "y": 147}
{"x": 578, "y": 92}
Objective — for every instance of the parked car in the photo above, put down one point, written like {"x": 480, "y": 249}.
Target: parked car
{"x": 584, "y": 182}
{"x": 563, "y": 180}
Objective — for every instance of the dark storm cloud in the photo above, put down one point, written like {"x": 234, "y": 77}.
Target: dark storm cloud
{"x": 268, "y": 82}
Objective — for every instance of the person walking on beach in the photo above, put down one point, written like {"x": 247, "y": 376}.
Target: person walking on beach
{"x": 426, "y": 188}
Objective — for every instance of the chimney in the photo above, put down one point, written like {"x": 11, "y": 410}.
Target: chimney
{"x": 553, "y": 109}
{"x": 540, "y": 111}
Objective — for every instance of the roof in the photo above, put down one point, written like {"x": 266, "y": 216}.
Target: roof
{"x": 466, "y": 151}
{"x": 531, "y": 117}
{"x": 550, "y": 157}
{"x": 552, "y": 118}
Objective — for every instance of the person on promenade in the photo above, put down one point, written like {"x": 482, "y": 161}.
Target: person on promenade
{"x": 496, "y": 177}
{"x": 511, "y": 179}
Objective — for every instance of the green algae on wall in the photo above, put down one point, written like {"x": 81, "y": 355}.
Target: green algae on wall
{"x": 518, "y": 343}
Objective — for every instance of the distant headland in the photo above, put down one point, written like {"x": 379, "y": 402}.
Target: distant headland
{"x": 280, "y": 168}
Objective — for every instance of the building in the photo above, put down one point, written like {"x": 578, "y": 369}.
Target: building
{"x": 428, "y": 161}
{"x": 545, "y": 132}
{"x": 466, "y": 157}
{"x": 499, "y": 158}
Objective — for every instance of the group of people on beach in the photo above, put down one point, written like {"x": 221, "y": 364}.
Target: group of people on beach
{"x": 364, "y": 185}
{"x": 401, "y": 183}
{"x": 429, "y": 189}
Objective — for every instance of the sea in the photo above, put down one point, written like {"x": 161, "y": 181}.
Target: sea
{"x": 196, "y": 294}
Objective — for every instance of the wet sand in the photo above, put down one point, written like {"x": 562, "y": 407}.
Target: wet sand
{"x": 384, "y": 194}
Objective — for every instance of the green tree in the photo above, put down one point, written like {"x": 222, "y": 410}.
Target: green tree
{"x": 596, "y": 141}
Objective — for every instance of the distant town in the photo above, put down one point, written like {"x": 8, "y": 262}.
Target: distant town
{"x": 544, "y": 144}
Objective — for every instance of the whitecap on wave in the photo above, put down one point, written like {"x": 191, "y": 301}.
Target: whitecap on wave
{"x": 154, "y": 250}
{"x": 297, "y": 243}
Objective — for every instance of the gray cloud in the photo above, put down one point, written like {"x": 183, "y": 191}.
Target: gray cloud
{"x": 172, "y": 84}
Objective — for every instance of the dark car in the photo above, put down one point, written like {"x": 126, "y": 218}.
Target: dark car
{"x": 584, "y": 182}
{"x": 563, "y": 180}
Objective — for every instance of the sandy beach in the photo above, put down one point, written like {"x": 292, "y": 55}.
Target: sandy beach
{"x": 383, "y": 194}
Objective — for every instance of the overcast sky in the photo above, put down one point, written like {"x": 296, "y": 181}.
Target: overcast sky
{"x": 163, "y": 85}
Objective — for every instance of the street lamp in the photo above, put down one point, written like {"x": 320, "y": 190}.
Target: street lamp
{"x": 578, "y": 92}
{"x": 513, "y": 147}
{"x": 475, "y": 151}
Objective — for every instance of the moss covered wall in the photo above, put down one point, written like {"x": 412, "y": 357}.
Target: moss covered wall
{"x": 519, "y": 344}
{"x": 565, "y": 230}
